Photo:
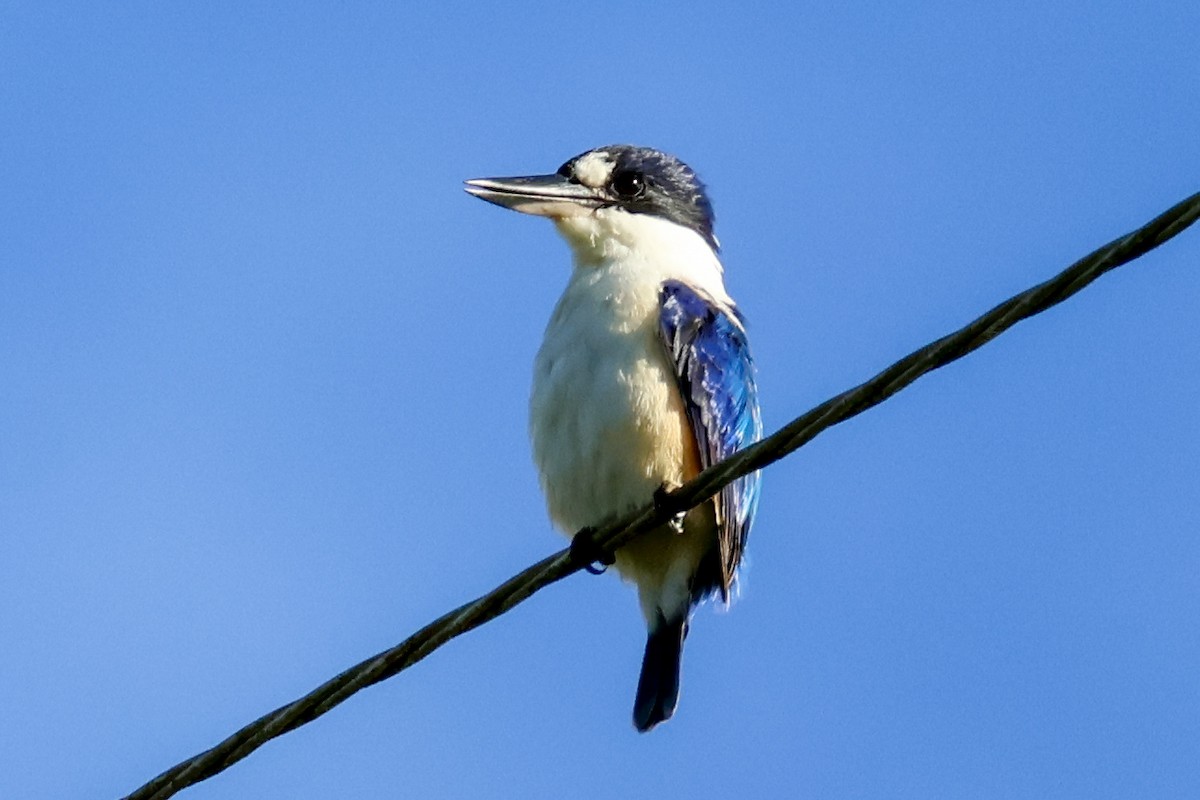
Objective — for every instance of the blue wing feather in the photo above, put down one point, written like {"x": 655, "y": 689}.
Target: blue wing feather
{"x": 707, "y": 344}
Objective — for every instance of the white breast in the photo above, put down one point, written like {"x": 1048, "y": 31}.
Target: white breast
{"x": 606, "y": 418}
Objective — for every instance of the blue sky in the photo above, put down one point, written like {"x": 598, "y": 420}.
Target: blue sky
{"x": 264, "y": 371}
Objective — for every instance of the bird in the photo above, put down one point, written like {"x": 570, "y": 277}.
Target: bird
{"x": 644, "y": 377}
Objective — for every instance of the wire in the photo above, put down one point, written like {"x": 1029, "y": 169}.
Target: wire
{"x": 617, "y": 533}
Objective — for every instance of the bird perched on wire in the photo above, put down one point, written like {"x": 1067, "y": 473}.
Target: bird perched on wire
{"x": 643, "y": 379}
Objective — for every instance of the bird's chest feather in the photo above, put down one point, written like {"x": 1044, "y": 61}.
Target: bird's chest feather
{"x": 606, "y": 418}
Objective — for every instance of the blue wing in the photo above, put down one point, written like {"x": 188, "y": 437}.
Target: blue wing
{"x": 707, "y": 344}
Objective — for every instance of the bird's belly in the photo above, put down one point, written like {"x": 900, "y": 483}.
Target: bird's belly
{"x": 608, "y": 426}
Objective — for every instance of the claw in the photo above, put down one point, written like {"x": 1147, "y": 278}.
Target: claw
{"x": 585, "y": 551}
{"x": 661, "y": 500}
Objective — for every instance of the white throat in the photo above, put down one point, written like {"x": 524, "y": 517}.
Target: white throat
{"x": 655, "y": 245}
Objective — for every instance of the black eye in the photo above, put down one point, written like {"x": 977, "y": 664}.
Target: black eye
{"x": 567, "y": 171}
{"x": 629, "y": 184}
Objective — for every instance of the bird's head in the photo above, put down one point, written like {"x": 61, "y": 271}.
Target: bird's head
{"x": 608, "y": 194}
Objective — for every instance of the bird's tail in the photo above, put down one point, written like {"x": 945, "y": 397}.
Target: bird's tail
{"x": 658, "y": 686}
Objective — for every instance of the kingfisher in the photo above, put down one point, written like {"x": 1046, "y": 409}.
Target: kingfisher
{"x": 643, "y": 379}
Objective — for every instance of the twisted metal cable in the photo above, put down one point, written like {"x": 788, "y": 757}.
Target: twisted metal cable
{"x": 613, "y": 535}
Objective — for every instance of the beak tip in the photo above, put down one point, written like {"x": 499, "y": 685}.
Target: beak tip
{"x": 475, "y": 188}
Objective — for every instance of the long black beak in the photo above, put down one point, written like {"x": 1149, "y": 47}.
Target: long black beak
{"x": 543, "y": 195}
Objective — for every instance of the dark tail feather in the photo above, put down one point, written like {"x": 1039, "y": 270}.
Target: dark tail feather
{"x": 658, "y": 686}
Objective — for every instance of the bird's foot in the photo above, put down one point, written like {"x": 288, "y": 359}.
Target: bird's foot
{"x": 661, "y": 501}
{"x": 585, "y": 551}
